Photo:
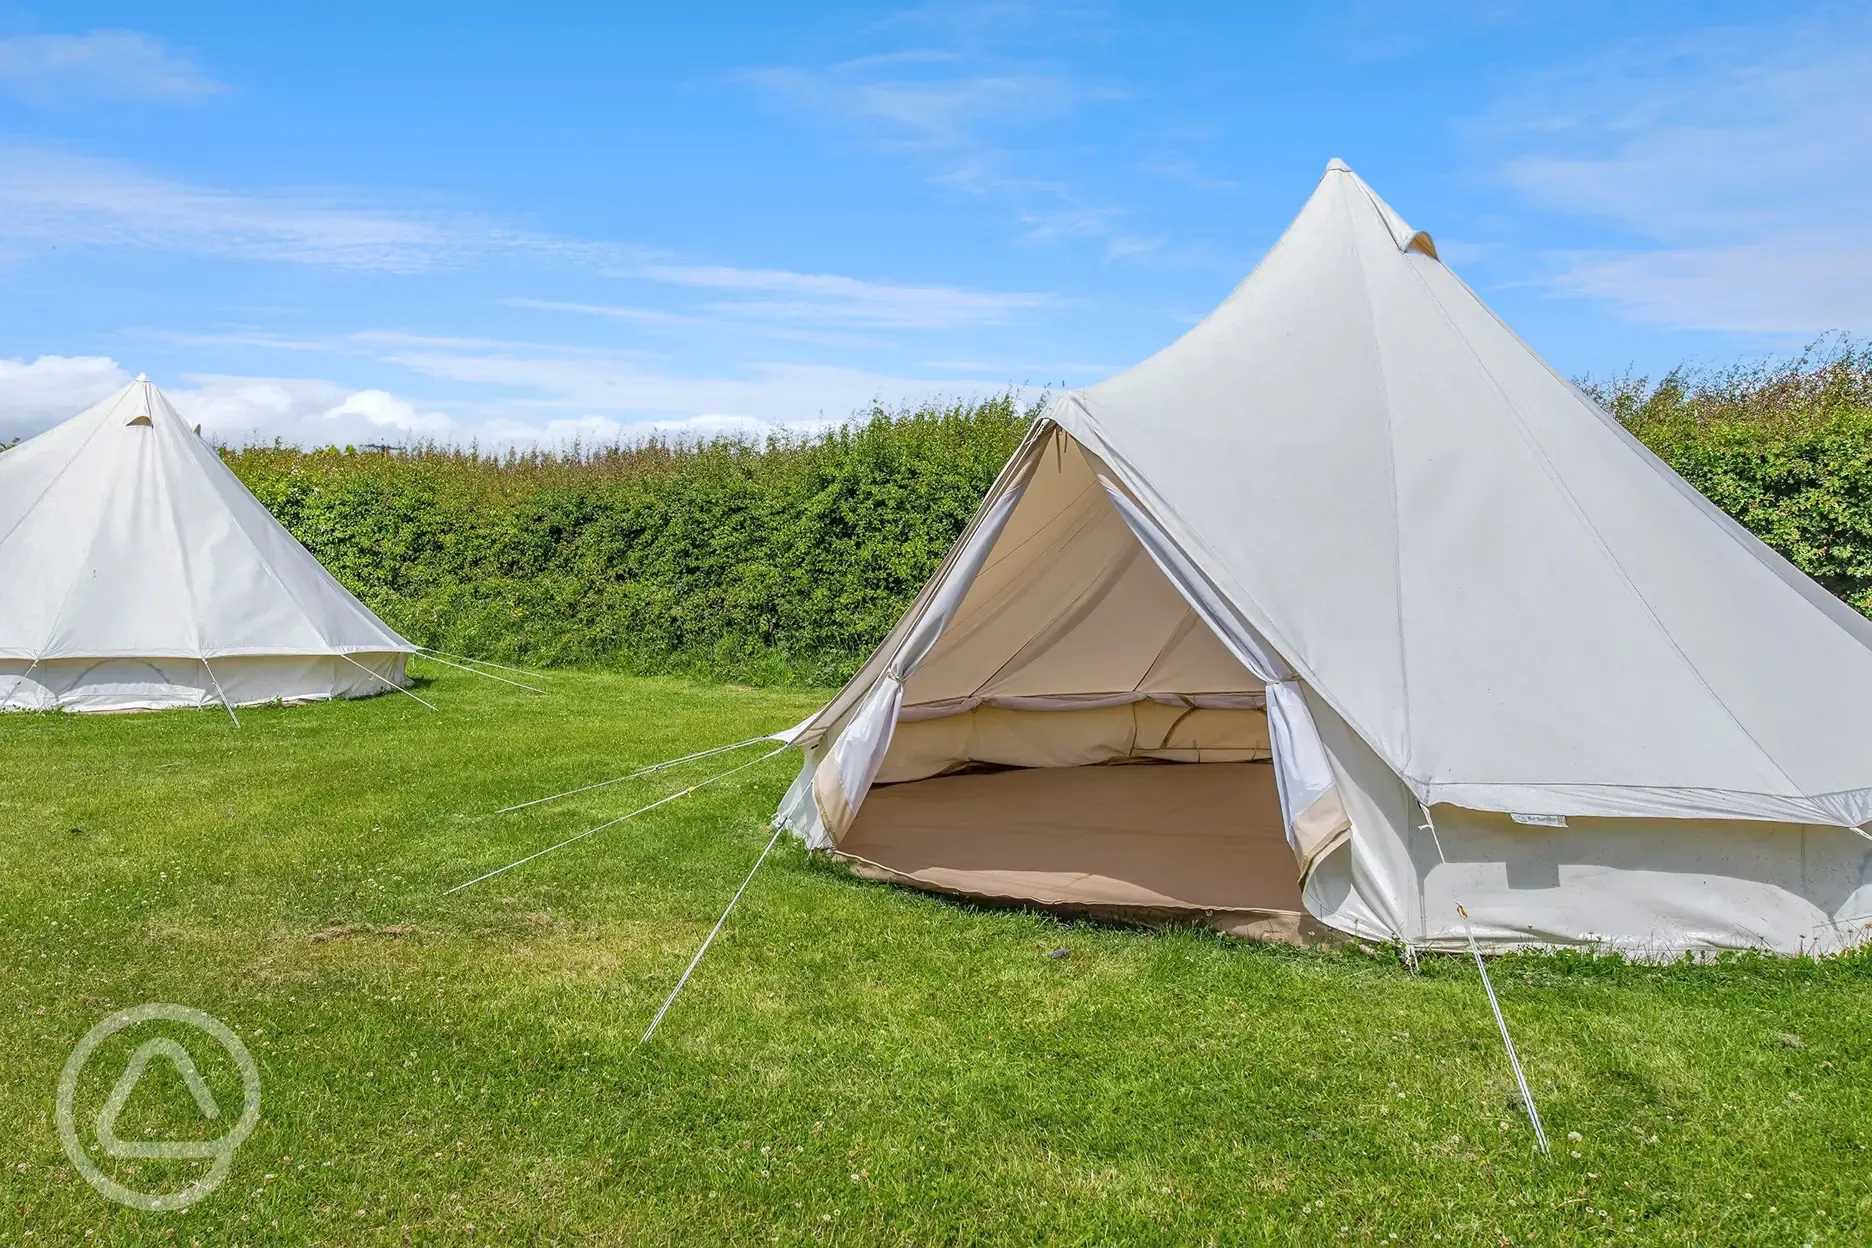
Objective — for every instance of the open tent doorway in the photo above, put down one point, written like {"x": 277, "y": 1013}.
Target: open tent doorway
{"x": 1080, "y": 737}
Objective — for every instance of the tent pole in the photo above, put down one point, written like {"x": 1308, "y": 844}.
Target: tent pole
{"x": 1514, "y": 1059}
{"x": 225, "y": 704}
{"x": 695, "y": 961}
{"x": 663, "y": 801}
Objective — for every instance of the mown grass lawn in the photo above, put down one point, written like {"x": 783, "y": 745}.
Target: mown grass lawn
{"x": 852, "y": 1063}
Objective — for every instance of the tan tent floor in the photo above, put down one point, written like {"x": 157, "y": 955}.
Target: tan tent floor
{"x": 1166, "y": 837}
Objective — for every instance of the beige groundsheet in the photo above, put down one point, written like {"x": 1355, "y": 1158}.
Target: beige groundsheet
{"x": 1154, "y": 840}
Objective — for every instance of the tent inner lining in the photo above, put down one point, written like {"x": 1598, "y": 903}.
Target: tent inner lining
{"x": 1137, "y": 743}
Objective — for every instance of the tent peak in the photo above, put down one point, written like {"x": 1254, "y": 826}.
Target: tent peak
{"x": 142, "y": 377}
{"x": 1335, "y": 165}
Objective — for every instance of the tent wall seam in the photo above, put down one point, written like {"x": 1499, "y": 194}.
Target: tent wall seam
{"x": 1585, "y": 522}
{"x": 1183, "y": 628}
{"x": 1035, "y": 536}
{"x": 180, "y": 552}
{"x": 215, "y": 466}
{"x": 72, "y": 588}
{"x": 1391, "y": 480}
{"x": 60, "y": 474}
{"x": 1086, "y": 601}
{"x": 1059, "y": 543}
{"x": 1112, "y": 469}
{"x": 1739, "y": 536}
{"x": 855, "y": 690}
{"x": 266, "y": 565}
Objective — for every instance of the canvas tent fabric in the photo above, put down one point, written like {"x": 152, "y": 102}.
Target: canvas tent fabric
{"x": 1506, "y": 658}
{"x": 139, "y": 573}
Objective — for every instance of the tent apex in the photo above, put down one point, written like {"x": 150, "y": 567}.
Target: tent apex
{"x": 142, "y": 376}
{"x": 1335, "y": 165}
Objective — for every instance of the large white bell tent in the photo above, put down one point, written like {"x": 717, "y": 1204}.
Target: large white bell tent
{"x": 1342, "y": 612}
{"x": 137, "y": 572}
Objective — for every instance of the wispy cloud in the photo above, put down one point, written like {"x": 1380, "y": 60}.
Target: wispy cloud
{"x": 637, "y": 387}
{"x": 1375, "y": 30}
{"x": 49, "y": 196}
{"x": 969, "y": 92}
{"x": 615, "y": 312}
{"x": 937, "y": 111}
{"x": 1185, "y": 172}
{"x": 52, "y": 197}
{"x": 827, "y": 298}
{"x": 103, "y": 64}
{"x": 1737, "y": 166}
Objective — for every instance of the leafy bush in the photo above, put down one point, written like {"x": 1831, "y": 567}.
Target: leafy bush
{"x": 785, "y": 561}
{"x": 780, "y": 561}
{"x": 1783, "y": 446}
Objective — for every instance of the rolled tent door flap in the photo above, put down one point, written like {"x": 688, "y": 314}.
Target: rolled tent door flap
{"x": 844, "y": 775}
{"x": 1310, "y": 804}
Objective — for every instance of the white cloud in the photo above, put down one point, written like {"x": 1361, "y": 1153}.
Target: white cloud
{"x": 303, "y": 411}
{"x": 385, "y": 411}
{"x": 258, "y": 409}
{"x": 1737, "y": 164}
{"x": 555, "y": 396}
{"x": 1073, "y": 221}
{"x": 35, "y": 395}
{"x": 103, "y": 64}
{"x": 779, "y": 304}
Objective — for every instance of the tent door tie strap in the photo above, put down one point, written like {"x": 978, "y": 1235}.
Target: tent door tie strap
{"x": 1488, "y": 986}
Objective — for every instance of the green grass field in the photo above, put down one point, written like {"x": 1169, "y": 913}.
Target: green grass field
{"x": 852, "y": 1063}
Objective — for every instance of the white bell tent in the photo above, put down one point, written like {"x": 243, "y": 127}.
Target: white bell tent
{"x": 1346, "y": 610}
{"x": 137, "y": 573}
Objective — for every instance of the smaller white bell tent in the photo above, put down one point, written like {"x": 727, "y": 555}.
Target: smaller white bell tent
{"x": 1346, "y": 610}
{"x": 138, "y": 573}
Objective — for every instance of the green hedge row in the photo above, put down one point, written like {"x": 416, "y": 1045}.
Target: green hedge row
{"x": 786, "y": 561}
{"x": 779, "y": 562}
{"x": 1784, "y": 447}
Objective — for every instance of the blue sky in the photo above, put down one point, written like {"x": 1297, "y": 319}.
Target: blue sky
{"x": 352, "y": 222}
